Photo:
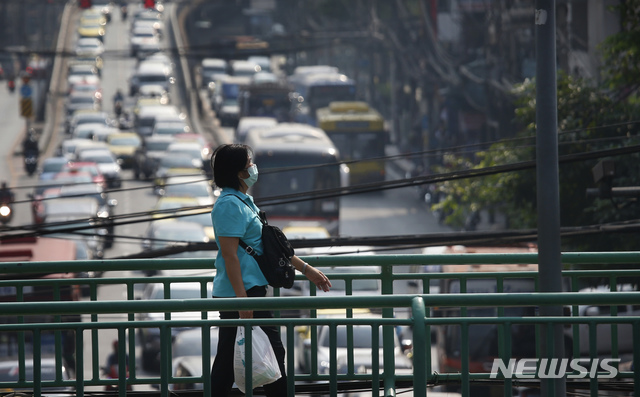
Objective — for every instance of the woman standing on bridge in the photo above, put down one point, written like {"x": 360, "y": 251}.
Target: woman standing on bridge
{"x": 238, "y": 273}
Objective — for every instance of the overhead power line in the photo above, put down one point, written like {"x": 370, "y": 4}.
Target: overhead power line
{"x": 403, "y": 242}
{"x": 146, "y": 216}
{"x": 460, "y": 149}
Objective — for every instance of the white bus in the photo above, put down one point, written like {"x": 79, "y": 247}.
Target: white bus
{"x": 297, "y": 159}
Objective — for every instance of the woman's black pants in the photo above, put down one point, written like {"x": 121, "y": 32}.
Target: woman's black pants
{"x": 222, "y": 376}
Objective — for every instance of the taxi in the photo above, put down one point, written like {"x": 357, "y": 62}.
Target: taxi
{"x": 147, "y": 101}
{"x": 124, "y": 146}
{"x": 93, "y": 16}
{"x": 91, "y": 30}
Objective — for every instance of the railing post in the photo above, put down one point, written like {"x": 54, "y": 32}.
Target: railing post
{"x": 37, "y": 362}
{"x": 79, "y": 373}
{"x": 420, "y": 342}
{"x": 636, "y": 358}
{"x": 389, "y": 364}
{"x": 122, "y": 362}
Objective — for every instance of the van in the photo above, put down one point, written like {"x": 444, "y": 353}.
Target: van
{"x": 226, "y": 99}
{"x": 210, "y": 68}
{"x": 146, "y": 118}
{"x": 155, "y": 73}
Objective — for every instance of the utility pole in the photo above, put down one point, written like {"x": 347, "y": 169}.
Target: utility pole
{"x": 548, "y": 186}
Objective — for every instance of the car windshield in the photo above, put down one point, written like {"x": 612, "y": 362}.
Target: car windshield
{"x": 197, "y": 189}
{"x": 193, "y": 346}
{"x": 82, "y": 72}
{"x": 152, "y": 78}
{"x": 92, "y": 119}
{"x": 203, "y": 219}
{"x": 128, "y": 141}
{"x": 53, "y": 166}
{"x": 144, "y": 33}
{"x": 81, "y": 99}
{"x": 156, "y": 146}
{"x": 191, "y": 153}
{"x": 178, "y": 291}
{"x": 177, "y": 162}
{"x": 99, "y": 158}
{"x": 88, "y": 47}
{"x": 361, "y": 336}
{"x": 10, "y": 374}
{"x": 169, "y": 129}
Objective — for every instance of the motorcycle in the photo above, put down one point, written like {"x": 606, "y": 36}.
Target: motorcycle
{"x": 111, "y": 372}
{"x": 6, "y": 213}
{"x": 30, "y": 163}
{"x": 118, "y": 108}
{"x": 12, "y": 85}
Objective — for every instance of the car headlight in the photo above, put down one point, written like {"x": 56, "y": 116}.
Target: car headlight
{"x": 324, "y": 367}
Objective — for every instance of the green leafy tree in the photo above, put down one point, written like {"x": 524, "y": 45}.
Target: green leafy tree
{"x": 590, "y": 118}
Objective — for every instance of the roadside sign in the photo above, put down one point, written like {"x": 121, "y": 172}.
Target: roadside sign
{"x": 25, "y": 91}
{"x": 26, "y": 107}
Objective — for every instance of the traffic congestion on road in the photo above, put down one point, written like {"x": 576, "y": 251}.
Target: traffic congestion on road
{"x": 124, "y": 145}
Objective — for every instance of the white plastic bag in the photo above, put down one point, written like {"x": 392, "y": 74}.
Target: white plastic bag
{"x": 265, "y": 364}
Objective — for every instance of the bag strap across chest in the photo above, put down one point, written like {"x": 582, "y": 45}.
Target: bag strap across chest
{"x": 263, "y": 218}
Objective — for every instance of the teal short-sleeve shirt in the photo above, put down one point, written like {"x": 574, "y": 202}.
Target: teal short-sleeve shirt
{"x": 232, "y": 218}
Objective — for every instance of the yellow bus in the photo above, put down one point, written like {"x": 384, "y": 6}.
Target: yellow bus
{"x": 358, "y": 132}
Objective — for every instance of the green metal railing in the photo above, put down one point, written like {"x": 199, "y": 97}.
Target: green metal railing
{"x": 452, "y": 312}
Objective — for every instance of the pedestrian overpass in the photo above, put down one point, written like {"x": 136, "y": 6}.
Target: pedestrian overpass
{"x": 63, "y": 318}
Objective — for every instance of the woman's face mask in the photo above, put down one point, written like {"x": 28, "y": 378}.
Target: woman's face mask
{"x": 253, "y": 175}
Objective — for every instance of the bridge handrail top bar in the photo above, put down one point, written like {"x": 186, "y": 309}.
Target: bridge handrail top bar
{"x": 626, "y": 257}
{"x": 320, "y": 302}
{"x": 373, "y": 321}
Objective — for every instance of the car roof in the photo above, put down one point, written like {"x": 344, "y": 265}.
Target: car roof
{"x": 207, "y": 62}
{"x": 186, "y": 178}
{"x": 86, "y": 188}
{"x": 181, "y": 200}
{"x": 90, "y": 114}
{"x": 159, "y": 138}
{"x": 256, "y": 120}
{"x": 73, "y": 205}
{"x": 184, "y": 145}
{"x": 55, "y": 160}
{"x": 88, "y": 40}
{"x": 93, "y": 152}
{"x": 158, "y": 110}
{"x": 123, "y": 135}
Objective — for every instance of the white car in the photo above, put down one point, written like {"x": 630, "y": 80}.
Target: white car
{"x": 86, "y": 116}
{"x": 197, "y": 187}
{"x": 362, "y": 346}
{"x": 89, "y": 46}
{"x": 187, "y": 356}
{"x": 82, "y": 74}
{"x": 191, "y": 148}
{"x": 144, "y": 40}
{"x": 150, "y": 337}
{"x": 9, "y": 372}
{"x": 107, "y": 164}
{"x": 150, "y": 19}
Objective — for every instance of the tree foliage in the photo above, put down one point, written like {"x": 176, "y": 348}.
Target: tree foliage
{"x": 590, "y": 117}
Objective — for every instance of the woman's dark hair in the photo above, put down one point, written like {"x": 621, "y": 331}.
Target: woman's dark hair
{"x": 227, "y": 161}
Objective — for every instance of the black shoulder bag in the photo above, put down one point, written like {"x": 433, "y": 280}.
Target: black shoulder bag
{"x": 275, "y": 261}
